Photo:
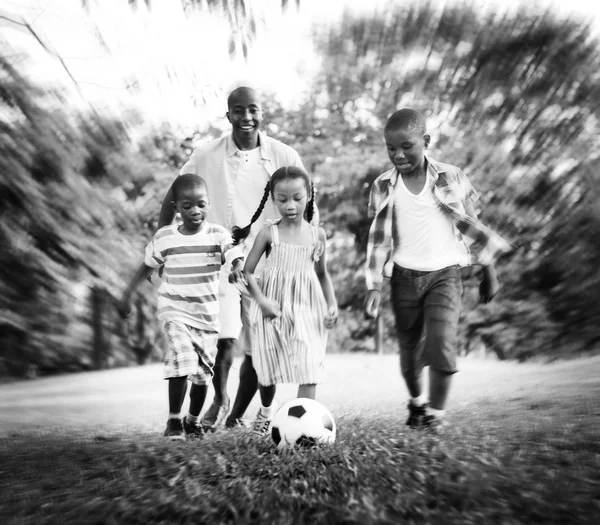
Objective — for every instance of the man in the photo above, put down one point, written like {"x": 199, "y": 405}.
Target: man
{"x": 236, "y": 168}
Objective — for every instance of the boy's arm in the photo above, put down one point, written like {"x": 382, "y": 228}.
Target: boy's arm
{"x": 489, "y": 285}
{"x": 269, "y": 308}
{"x": 326, "y": 284}
{"x": 140, "y": 276}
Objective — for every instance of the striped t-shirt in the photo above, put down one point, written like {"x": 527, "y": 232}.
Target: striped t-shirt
{"x": 189, "y": 290}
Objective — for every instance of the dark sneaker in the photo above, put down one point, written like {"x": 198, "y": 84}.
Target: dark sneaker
{"x": 261, "y": 424}
{"x": 174, "y": 430}
{"x": 416, "y": 415}
{"x": 214, "y": 416}
{"x": 434, "y": 425}
{"x": 192, "y": 431}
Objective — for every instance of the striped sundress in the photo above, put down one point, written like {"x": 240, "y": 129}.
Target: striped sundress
{"x": 290, "y": 348}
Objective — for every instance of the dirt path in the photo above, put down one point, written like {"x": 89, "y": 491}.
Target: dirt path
{"x": 355, "y": 386}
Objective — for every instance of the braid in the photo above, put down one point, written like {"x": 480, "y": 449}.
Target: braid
{"x": 310, "y": 207}
{"x": 239, "y": 234}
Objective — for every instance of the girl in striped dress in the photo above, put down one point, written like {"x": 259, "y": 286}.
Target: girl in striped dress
{"x": 294, "y": 299}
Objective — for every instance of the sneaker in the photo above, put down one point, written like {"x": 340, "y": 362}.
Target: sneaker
{"x": 434, "y": 425}
{"x": 174, "y": 430}
{"x": 192, "y": 431}
{"x": 416, "y": 415}
{"x": 261, "y": 424}
{"x": 214, "y": 416}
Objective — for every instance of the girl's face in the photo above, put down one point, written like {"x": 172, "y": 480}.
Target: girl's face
{"x": 290, "y": 197}
{"x": 192, "y": 204}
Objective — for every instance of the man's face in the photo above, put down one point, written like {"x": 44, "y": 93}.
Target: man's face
{"x": 245, "y": 114}
{"x": 406, "y": 148}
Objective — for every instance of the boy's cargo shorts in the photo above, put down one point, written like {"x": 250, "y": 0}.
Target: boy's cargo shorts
{"x": 190, "y": 352}
{"x": 427, "y": 308}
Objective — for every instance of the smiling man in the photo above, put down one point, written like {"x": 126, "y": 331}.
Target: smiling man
{"x": 236, "y": 168}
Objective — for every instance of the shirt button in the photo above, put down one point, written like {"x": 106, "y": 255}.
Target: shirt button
{"x": 229, "y": 204}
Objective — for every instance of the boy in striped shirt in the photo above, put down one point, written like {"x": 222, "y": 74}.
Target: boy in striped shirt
{"x": 192, "y": 253}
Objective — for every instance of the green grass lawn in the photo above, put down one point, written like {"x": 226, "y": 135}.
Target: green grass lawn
{"x": 525, "y": 449}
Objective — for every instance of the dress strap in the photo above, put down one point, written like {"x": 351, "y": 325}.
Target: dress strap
{"x": 274, "y": 233}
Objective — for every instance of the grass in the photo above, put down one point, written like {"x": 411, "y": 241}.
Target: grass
{"x": 522, "y": 453}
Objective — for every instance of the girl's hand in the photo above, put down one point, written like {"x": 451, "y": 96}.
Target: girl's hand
{"x": 270, "y": 309}
{"x": 331, "y": 317}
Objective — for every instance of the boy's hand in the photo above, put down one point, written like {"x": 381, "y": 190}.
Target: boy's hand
{"x": 270, "y": 308}
{"x": 237, "y": 276}
{"x": 371, "y": 305}
{"x": 488, "y": 288}
{"x": 331, "y": 317}
{"x": 124, "y": 307}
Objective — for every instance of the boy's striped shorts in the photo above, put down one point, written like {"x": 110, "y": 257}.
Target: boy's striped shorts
{"x": 190, "y": 352}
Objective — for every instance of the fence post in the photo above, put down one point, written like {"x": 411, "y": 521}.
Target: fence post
{"x": 99, "y": 343}
{"x": 379, "y": 335}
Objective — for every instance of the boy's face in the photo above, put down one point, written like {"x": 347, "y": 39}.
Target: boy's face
{"x": 245, "y": 114}
{"x": 406, "y": 148}
{"x": 192, "y": 204}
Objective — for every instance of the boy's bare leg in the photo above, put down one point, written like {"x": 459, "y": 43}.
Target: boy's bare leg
{"x": 439, "y": 388}
{"x": 309, "y": 391}
{"x": 414, "y": 381}
{"x": 245, "y": 392}
{"x": 197, "y": 398}
{"x": 177, "y": 390}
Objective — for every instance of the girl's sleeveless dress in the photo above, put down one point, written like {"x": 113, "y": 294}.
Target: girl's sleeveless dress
{"x": 290, "y": 348}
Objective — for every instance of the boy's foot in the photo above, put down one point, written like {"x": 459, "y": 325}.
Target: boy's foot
{"x": 261, "y": 424}
{"x": 174, "y": 430}
{"x": 416, "y": 415}
{"x": 192, "y": 431}
{"x": 214, "y": 416}
{"x": 433, "y": 424}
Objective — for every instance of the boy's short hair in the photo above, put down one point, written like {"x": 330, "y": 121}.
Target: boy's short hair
{"x": 187, "y": 181}
{"x": 407, "y": 118}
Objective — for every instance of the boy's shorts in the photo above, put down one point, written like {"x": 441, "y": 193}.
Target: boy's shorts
{"x": 427, "y": 308}
{"x": 190, "y": 352}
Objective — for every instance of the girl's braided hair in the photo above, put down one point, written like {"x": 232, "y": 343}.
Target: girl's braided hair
{"x": 285, "y": 173}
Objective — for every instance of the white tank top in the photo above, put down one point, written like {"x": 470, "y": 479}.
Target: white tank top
{"x": 428, "y": 239}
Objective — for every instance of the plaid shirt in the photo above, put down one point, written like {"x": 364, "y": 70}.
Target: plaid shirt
{"x": 452, "y": 191}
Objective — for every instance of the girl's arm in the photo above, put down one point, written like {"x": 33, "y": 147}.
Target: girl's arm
{"x": 269, "y": 308}
{"x": 326, "y": 284}
{"x": 140, "y": 276}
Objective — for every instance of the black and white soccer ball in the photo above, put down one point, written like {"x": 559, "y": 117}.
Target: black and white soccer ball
{"x": 302, "y": 422}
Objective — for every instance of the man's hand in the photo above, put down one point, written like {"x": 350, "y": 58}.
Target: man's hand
{"x": 488, "y": 288}
{"x": 124, "y": 306}
{"x": 371, "y": 304}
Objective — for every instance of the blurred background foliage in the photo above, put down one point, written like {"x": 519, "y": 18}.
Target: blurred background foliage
{"x": 511, "y": 98}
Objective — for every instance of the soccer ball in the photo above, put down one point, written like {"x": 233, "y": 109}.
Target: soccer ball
{"x": 303, "y": 422}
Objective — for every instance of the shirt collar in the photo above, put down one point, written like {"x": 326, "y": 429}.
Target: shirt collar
{"x": 265, "y": 148}
{"x": 434, "y": 168}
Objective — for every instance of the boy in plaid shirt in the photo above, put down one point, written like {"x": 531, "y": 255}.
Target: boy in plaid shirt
{"x": 424, "y": 230}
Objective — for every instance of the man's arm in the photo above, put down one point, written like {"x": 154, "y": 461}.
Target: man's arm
{"x": 167, "y": 212}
